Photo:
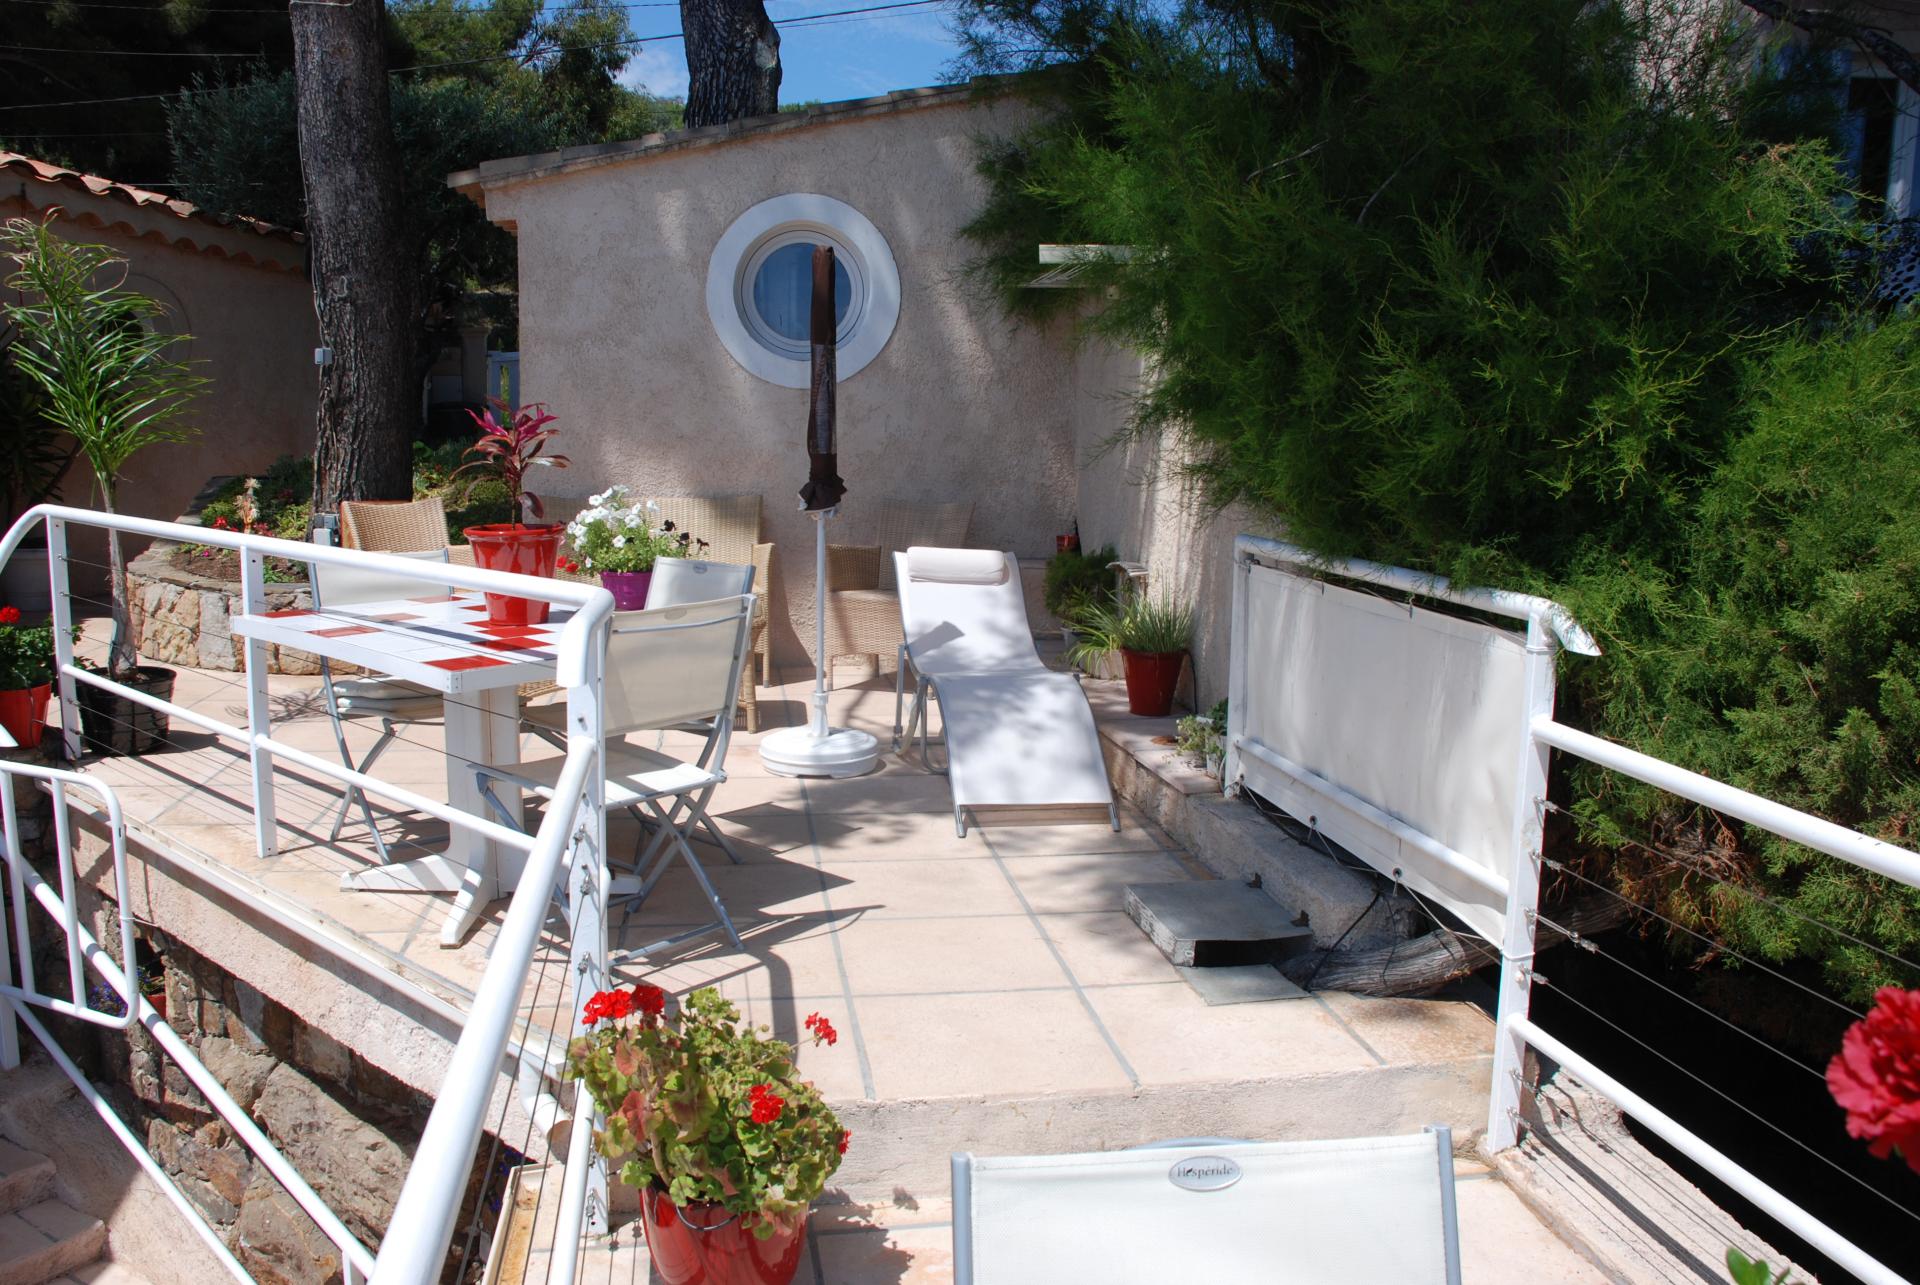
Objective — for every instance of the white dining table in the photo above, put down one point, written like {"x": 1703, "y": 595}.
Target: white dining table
{"x": 444, "y": 642}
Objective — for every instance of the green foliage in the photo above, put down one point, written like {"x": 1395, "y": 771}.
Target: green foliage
{"x": 1199, "y": 737}
{"x": 1746, "y": 1271}
{"x": 26, "y": 652}
{"x": 1155, "y": 625}
{"x": 1075, "y": 580}
{"x": 38, "y": 453}
{"x": 1545, "y": 294}
{"x": 105, "y": 363}
{"x": 679, "y": 1093}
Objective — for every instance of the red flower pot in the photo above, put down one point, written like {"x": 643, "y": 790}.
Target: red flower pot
{"x": 705, "y": 1245}
{"x": 629, "y": 588}
{"x": 525, "y": 550}
{"x": 1151, "y": 680}
{"x": 23, "y": 712}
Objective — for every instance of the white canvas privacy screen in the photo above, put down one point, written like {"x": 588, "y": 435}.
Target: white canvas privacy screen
{"x": 1398, "y": 730}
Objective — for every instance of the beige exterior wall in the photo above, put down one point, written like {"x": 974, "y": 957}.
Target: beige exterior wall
{"x": 246, "y": 303}
{"x": 1132, "y": 495}
{"x": 615, "y": 337}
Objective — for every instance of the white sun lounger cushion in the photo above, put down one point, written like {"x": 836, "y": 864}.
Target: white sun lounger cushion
{"x": 1346, "y": 1212}
{"x": 1022, "y": 739}
{"x": 956, "y": 566}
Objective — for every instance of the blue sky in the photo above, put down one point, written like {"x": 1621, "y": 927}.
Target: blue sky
{"x": 848, "y": 57}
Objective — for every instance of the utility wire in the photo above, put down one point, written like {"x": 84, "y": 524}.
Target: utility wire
{"x": 803, "y": 20}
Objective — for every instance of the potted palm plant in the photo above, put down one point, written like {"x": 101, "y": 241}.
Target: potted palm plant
{"x": 727, "y": 1147}
{"x": 530, "y": 548}
{"x": 1152, "y": 635}
{"x": 107, "y": 371}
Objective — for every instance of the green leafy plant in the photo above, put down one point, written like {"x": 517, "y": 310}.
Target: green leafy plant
{"x": 1200, "y": 738}
{"x": 612, "y": 535}
{"x": 38, "y": 453}
{"x": 26, "y": 652}
{"x": 1151, "y": 624}
{"x": 105, "y": 366}
{"x": 1747, "y": 1271}
{"x": 707, "y": 1110}
{"x": 1076, "y": 581}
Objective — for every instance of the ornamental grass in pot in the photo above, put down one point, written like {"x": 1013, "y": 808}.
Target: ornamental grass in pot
{"x": 105, "y": 359}
{"x": 621, "y": 542}
{"x": 706, "y": 1118}
{"x": 1152, "y": 636}
{"x": 509, "y": 452}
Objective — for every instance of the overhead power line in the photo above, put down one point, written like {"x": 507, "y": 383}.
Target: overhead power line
{"x": 800, "y": 21}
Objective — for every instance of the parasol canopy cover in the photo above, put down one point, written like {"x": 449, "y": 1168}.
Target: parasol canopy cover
{"x": 824, "y": 486}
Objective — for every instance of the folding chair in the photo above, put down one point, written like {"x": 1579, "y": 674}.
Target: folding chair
{"x": 1341, "y": 1212}
{"x": 675, "y": 581}
{"x": 390, "y": 700}
{"x": 667, "y": 667}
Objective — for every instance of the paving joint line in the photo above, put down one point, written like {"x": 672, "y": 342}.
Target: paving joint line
{"x": 1093, "y": 1015}
{"x": 839, "y": 955}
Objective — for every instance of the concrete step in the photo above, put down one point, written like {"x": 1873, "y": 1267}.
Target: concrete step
{"x": 26, "y": 1177}
{"x": 46, "y": 1241}
{"x": 1215, "y": 923}
{"x": 101, "y": 1274}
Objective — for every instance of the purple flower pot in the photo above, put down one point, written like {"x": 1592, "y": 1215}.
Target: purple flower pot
{"x": 629, "y": 588}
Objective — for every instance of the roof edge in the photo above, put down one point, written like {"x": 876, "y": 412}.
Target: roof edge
{"x": 474, "y": 182}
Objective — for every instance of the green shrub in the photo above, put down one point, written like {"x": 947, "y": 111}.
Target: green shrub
{"x": 1516, "y": 293}
{"x": 1076, "y": 580}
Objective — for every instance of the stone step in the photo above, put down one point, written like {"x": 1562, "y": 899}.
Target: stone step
{"x": 26, "y": 1177}
{"x": 1215, "y": 923}
{"x": 46, "y": 1241}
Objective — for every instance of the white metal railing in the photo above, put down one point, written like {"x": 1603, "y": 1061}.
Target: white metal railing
{"x": 569, "y": 844}
{"x": 1548, "y": 627}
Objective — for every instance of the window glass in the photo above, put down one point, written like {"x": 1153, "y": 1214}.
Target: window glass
{"x": 783, "y": 290}
{"x": 1873, "y": 104}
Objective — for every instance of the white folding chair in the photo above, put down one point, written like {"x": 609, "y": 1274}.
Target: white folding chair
{"x": 667, "y": 667}
{"x": 1341, "y": 1212}
{"x": 390, "y": 700}
{"x": 1017, "y": 733}
{"x": 675, "y": 581}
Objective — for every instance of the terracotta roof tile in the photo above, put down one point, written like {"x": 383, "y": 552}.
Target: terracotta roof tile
{"x": 47, "y": 172}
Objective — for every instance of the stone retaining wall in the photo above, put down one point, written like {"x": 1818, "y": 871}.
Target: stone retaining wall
{"x": 180, "y": 617}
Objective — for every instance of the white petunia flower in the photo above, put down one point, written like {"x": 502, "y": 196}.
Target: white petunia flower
{"x": 619, "y": 541}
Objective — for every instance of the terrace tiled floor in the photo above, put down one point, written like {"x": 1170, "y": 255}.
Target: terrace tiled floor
{"x": 995, "y": 967}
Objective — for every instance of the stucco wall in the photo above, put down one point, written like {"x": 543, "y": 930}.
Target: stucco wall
{"x": 1132, "y": 495}
{"x": 252, "y": 331}
{"x": 615, "y": 337}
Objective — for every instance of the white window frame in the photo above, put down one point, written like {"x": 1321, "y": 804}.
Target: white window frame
{"x": 784, "y": 220}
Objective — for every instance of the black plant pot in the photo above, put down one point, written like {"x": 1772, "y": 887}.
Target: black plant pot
{"x": 112, "y": 724}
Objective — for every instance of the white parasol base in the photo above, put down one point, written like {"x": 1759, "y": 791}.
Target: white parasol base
{"x": 799, "y": 751}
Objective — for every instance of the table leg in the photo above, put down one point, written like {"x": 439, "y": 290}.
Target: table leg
{"x": 481, "y": 727}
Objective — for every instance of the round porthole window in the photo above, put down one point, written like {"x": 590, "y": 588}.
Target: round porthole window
{"x": 760, "y": 286}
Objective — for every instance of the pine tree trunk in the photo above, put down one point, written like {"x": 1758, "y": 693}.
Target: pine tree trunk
{"x": 733, "y": 60}
{"x": 363, "y": 281}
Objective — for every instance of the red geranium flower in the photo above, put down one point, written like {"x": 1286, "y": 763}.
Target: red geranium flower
{"x": 603, "y": 1005}
{"x": 650, "y": 1000}
{"x": 1876, "y": 1076}
{"x": 9, "y": 615}
{"x": 823, "y": 1032}
{"x": 846, "y": 1135}
{"x": 766, "y": 1105}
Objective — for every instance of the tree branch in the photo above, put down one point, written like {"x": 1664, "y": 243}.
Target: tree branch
{"x": 1877, "y": 41}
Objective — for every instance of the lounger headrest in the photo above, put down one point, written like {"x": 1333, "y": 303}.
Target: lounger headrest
{"x": 957, "y": 566}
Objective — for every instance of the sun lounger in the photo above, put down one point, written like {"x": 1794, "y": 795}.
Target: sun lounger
{"x": 1359, "y": 1211}
{"x": 1017, "y": 733}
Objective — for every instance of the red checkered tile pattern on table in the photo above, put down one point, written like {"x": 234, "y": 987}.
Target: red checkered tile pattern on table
{"x": 444, "y": 632}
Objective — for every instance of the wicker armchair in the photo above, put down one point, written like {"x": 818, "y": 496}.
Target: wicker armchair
{"x": 862, "y": 601}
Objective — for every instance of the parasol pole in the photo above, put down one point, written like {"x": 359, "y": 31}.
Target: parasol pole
{"x": 819, "y": 748}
